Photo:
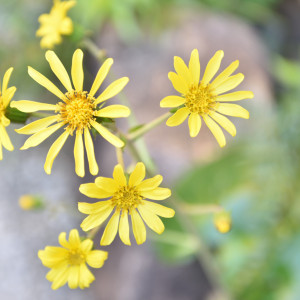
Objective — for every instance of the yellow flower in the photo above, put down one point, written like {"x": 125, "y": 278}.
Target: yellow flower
{"x": 55, "y": 24}
{"x": 126, "y": 198}
{"x": 204, "y": 98}
{"x": 6, "y": 95}
{"x": 68, "y": 263}
{"x": 77, "y": 111}
{"x": 222, "y": 221}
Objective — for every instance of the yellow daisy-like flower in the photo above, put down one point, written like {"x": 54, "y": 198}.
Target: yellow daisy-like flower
{"x": 202, "y": 98}
{"x": 68, "y": 263}
{"x": 126, "y": 198}
{"x": 77, "y": 111}
{"x": 6, "y": 95}
{"x": 55, "y": 24}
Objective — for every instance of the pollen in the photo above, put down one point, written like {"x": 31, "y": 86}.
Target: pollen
{"x": 200, "y": 99}
{"x": 126, "y": 198}
{"x": 76, "y": 257}
{"x": 77, "y": 110}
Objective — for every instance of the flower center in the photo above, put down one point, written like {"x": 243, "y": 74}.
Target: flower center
{"x": 126, "y": 197}
{"x": 200, "y": 99}
{"x": 2, "y": 108}
{"x": 77, "y": 110}
{"x": 76, "y": 257}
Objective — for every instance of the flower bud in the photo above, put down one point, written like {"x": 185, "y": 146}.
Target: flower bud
{"x": 222, "y": 221}
{"x": 30, "y": 202}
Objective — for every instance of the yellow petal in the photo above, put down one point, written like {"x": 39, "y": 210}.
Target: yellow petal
{"x": 107, "y": 184}
{"x": 124, "y": 228}
{"x": 157, "y": 193}
{"x": 233, "y": 110}
{"x": 151, "y": 219}
{"x": 62, "y": 239}
{"x": 224, "y": 122}
{"x": 93, "y": 208}
{"x": 86, "y": 245}
{"x": 119, "y": 175}
{"x": 194, "y": 66}
{"x": 91, "y": 190}
{"x": 138, "y": 227}
{"x": 178, "y": 82}
{"x": 150, "y": 184}
{"x": 112, "y": 90}
{"x": 7, "y": 95}
{"x": 61, "y": 279}
{"x": 45, "y": 82}
{"x": 158, "y": 209}
{"x": 79, "y": 154}
{"x": 194, "y": 124}
{"x": 179, "y": 117}
{"x": 225, "y": 74}
{"x": 37, "y": 125}
{"x": 182, "y": 70}
{"x": 86, "y": 277}
{"x": 229, "y": 84}
{"x": 31, "y": 106}
{"x": 172, "y": 101}
{"x": 54, "y": 150}
{"x": 74, "y": 238}
{"x": 59, "y": 70}
{"x": 40, "y": 136}
{"x": 6, "y": 78}
{"x": 113, "y": 111}
{"x": 96, "y": 220}
{"x": 5, "y": 140}
{"x": 73, "y": 278}
{"x": 1, "y": 151}
{"x": 53, "y": 273}
{"x": 106, "y": 134}
{"x": 111, "y": 230}
{"x": 137, "y": 175}
{"x": 77, "y": 70}
{"x": 216, "y": 130}
{"x": 89, "y": 145}
{"x": 235, "y": 96}
{"x": 101, "y": 75}
{"x": 212, "y": 67}
{"x": 96, "y": 258}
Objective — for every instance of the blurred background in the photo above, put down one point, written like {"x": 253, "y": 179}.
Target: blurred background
{"x": 255, "y": 177}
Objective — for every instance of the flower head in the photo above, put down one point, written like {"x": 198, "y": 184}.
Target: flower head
{"x": 6, "y": 95}
{"x": 55, "y": 24}
{"x": 206, "y": 99}
{"x": 68, "y": 263}
{"x": 126, "y": 198}
{"x": 76, "y": 111}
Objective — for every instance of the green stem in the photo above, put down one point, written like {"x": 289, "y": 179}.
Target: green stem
{"x": 199, "y": 209}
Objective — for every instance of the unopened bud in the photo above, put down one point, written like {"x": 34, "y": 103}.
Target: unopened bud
{"x": 222, "y": 221}
{"x": 30, "y": 202}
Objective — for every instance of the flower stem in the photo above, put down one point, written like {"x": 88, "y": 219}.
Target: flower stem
{"x": 92, "y": 233}
{"x": 119, "y": 154}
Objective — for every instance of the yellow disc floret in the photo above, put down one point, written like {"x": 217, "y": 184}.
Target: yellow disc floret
{"x": 126, "y": 198}
{"x": 76, "y": 257}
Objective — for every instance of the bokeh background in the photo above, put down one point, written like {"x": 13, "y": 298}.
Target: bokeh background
{"x": 255, "y": 177}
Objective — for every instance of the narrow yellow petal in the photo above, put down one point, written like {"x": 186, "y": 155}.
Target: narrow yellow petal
{"x": 229, "y": 84}
{"x": 151, "y": 219}
{"x": 224, "y": 122}
{"x": 113, "y": 111}
{"x": 77, "y": 70}
{"x": 111, "y": 230}
{"x": 119, "y": 175}
{"x": 86, "y": 245}
{"x": 157, "y": 193}
{"x": 74, "y": 238}
{"x": 45, "y": 82}
{"x": 212, "y": 67}
{"x": 54, "y": 150}
{"x": 124, "y": 228}
{"x": 86, "y": 276}
{"x": 40, "y": 136}
{"x": 61, "y": 279}
{"x": 59, "y": 70}
{"x": 216, "y": 130}
{"x": 112, "y": 90}
{"x": 233, "y": 110}
{"x": 89, "y": 145}
{"x": 101, "y": 75}
{"x": 31, "y": 106}
{"x": 62, "y": 239}
{"x": 79, "y": 154}
{"x": 138, "y": 227}
{"x": 93, "y": 191}
{"x": 182, "y": 70}
{"x": 106, "y": 134}
{"x": 5, "y": 140}
{"x": 7, "y": 95}
{"x": 73, "y": 278}
{"x": 107, "y": 184}
{"x": 235, "y": 96}
{"x": 194, "y": 124}
{"x": 5, "y": 121}
{"x": 1, "y": 151}
{"x": 150, "y": 184}
{"x": 93, "y": 208}
{"x": 6, "y": 78}
{"x": 137, "y": 175}
{"x": 172, "y": 101}
{"x": 178, "y": 82}
{"x": 96, "y": 258}
{"x": 37, "y": 125}
{"x": 179, "y": 117}
{"x": 194, "y": 66}
{"x": 158, "y": 209}
{"x": 225, "y": 74}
